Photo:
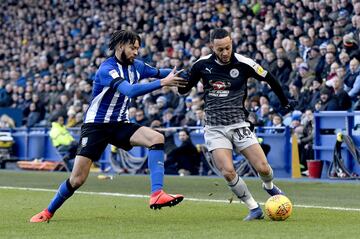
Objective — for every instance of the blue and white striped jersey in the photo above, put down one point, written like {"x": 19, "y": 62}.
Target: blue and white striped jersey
{"x": 108, "y": 104}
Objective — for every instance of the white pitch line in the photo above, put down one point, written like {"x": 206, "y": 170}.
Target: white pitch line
{"x": 188, "y": 199}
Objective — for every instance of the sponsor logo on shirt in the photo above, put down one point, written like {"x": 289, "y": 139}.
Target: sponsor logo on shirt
{"x": 219, "y": 88}
{"x": 114, "y": 74}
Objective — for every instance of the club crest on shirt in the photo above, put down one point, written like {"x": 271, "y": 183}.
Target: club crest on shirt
{"x": 114, "y": 74}
{"x": 234, "y": 73}
{"x": 84, "y": 142}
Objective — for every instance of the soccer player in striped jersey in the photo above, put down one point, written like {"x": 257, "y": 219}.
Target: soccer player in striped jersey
{"x": 106, "y": 121}
{"x": 224, "y": 75}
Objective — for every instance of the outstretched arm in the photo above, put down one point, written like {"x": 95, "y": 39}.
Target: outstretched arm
{"x": 135, "y": 90}
{"x": 152, "y": 72}
{"x": 193, "y": 79}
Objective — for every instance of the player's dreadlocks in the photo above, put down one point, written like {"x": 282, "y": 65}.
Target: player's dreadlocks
{"x": 123, "y": 37}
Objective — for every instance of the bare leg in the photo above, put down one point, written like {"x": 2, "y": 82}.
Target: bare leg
{"x": 257, "y": 158}
{"x": 224, "y": 162}
{"x": 153, "y": 140}
{"x": 67, "y": 188}
{"x": 80, "y": 171}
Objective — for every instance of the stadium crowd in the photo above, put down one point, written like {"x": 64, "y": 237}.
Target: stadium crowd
{"x": 50, "y": 51}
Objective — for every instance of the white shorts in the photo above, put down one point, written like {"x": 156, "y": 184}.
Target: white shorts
{"x": 239, "y": 135}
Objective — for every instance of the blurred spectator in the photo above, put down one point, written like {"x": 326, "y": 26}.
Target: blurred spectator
{"x": 315, "y": 93}
{"x": 306, "y": 76}
{"x": 5, "y": 96}
{"x": 251, "y": 90}
{"x": 172, "y": 99}
{"x": 302, "y": 97}
{"x": 169, "y": 119}
{"x": 63, "y": 141}
{"x": 294, "y": 75}
{"x": 57, "y": 110}
{"x": 277, "y": 122}
{"x": 78, "y": 119}
{"x": 305, "y": 141}
{"x": 290, "y": 48}
{"x": 6, "y": 122}
{"x": 350, "y": 44}
{"x": 295, "y": 120}
{"x": 327, "y": 101}
{"x": 140, "y": 118}
{"x": 162, "y": 103}
{"x": 71, "y": 121}
{"x": 199, "y": 119}
{"x": 314, "y": 58}
{"x": 187, "y": 112}
{"x": 132, "y": 114}
{"x": 263, "y": 115}
{"x": 329, "y": 60}
{"x": 343, "y": 99}
{"x": 352, "y": 79}
{"x": 185, "y": 159}
{"x": 332, "y": 74}
{"x": 34, "y": 116}
{"x": 153, "y": 113}
{"x": 282, "y": 71}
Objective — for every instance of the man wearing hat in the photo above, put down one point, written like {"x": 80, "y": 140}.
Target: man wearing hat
{"x": 327, "y": 101}
{"x": 314, "y": 57}
{"x": 315, "y": 92}
{"x": 306, "y": 75}
{"x": 350, "y": 44}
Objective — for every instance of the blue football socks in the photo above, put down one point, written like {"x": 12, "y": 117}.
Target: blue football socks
{"x": 156, "y": 166}
{"x": 65, "y": 191}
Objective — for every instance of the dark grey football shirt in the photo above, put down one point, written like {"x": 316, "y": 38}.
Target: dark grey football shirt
{"x": 225, "y": 87}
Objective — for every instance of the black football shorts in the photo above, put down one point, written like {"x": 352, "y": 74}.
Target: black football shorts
{"x": 95, "y": 137}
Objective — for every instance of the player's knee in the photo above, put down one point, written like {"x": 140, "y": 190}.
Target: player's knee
{"x": 77, "y": 181}
{"x": 264, "y": 168}
{"x": 228, "y": 174}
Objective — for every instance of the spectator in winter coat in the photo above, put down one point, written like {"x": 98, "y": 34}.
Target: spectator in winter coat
{"x": 327, "y": 101}
{"x": 185, "y": 159}
{"x": 353, "y": 81}
{"x": 343, "y": 99}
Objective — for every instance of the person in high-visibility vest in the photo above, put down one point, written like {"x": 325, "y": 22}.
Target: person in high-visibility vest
{"x": 63, "y": 141}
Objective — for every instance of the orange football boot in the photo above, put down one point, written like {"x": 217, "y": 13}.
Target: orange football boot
{"x": 43, "y": 216}
{"x": 161, "y": 199}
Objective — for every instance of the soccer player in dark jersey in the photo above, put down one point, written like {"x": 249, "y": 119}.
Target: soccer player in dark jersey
{"x": 224, "y": 75}
{"x": 106, "y": 121}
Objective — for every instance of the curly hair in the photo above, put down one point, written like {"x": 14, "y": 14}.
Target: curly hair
{"x": 123, "y": 37}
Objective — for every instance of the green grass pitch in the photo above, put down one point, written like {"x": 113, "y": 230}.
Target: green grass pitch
{"x": 322, "y": 209}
